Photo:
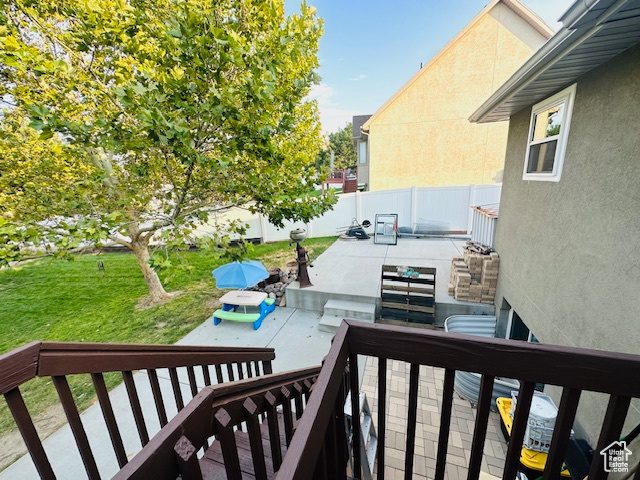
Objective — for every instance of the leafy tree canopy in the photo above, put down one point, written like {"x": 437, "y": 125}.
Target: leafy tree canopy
{"x": 133, "y": 119}
{"x": 341, "y": 142}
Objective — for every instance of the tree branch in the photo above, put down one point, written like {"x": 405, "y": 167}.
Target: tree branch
{"x": 155, "y": 226}
{"x": 120, "y": 241}
{"x": 185, "y": 189}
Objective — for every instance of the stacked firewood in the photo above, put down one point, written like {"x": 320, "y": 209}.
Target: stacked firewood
{"x": 474, "y": 275}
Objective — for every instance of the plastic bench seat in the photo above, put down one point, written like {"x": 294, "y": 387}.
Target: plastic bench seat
{"x": 229, "y": 313}
{"x": 236, "y": 316}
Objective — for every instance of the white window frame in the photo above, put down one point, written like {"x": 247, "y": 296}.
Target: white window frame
{"x": 361, "y": 142}
{"x": 508, "y": 332}
{"x": 567, "y": 97}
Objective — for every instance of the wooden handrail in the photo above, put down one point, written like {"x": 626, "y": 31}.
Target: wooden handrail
{"x": 579, "y": 368}
{"x": 195, "y": 421}
{"x": 306, "y": 444}
{"x": 575, "y": 369}
{"x": 19, "y": 366}
{"x": 317, "y": 447}
{"x": 60, "y": 359}
{"x": 56, "y": 358}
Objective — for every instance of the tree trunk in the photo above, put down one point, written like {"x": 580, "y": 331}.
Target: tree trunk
{"x": 157, "y": 293}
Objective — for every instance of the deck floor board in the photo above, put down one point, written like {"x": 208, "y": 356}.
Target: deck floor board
{"x": 212, "y": 463}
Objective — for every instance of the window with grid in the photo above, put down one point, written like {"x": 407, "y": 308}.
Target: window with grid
{"x": 548, "y": 133}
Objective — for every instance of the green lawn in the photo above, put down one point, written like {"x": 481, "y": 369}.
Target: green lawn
{"x": 75, "y": 302}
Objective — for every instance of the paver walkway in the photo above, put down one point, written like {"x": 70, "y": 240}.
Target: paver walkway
{"x": 428, "y": 416}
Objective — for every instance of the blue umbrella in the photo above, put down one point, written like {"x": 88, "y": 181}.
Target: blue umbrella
{"x": 240, "y": 274}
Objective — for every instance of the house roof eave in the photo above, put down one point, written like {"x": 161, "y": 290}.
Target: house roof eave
{"x": 594, "y": 31}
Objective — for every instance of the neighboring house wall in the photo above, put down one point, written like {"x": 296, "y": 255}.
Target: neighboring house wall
{"x": 570, "y": 250}
{"x": 422, "y": 135}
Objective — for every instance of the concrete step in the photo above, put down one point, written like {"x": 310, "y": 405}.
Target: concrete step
{"x": 329, "y": 323}
{"x": 350, "y": 309}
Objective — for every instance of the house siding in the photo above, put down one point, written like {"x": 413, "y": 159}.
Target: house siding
{"x": 423, "y": 137}
{"x": 570, "y": 251}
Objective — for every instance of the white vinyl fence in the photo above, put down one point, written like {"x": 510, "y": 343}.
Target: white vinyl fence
{"x": 415, "y": 205}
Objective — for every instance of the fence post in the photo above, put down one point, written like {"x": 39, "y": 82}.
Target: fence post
{"x": 358, "y": 214}
{"x": 472, "y": 199}
{"x": 263, "y": 228}
{"x": 414, "y": 207}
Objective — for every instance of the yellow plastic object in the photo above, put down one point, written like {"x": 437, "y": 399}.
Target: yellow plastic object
{"x": 529, "y": 458}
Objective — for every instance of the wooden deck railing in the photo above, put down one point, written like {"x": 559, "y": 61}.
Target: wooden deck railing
{"x": 268, "y": 408}
{"x": 58, "y": 360}
{"x": 312, "y": 453}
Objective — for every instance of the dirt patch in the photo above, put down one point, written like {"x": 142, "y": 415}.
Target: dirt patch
{"x": 213, "y": 303}
{"x": 12, "y": 446}
{"x": 279, "y": 260}
{"x": 145, "y": 302}
{"x": 286, "y": 260}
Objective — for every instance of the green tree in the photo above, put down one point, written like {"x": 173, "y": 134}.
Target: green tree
{"x": 152, "y": 114}
{"x": 341, "y": 142}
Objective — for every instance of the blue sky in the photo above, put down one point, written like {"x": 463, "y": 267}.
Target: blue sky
{"x": 370, "y": 48}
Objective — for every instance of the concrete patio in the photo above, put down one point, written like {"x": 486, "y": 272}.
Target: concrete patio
{"x": 351, "y": 270}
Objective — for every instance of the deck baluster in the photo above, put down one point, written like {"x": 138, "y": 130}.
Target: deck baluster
{"x": 331, "y": 444}
{"x": 79, "y": 433}
{"x": 611, "y": 429}
{"x": 29, "y": 434}
{"x": 187, "y": 458}
{"x": 191, "y": 374}
{"x": 266, "y": 367}
{"x": 224, "y": 433}
{"x": 561, "y": 432}
{"x": 297, "y": 398}
{"x": 288, "y": 414}
{"x": 414, "y": 374}
{"x": 356, "y": 432}
{"x": 341, "y": 434}
{"x": 175, "y": 385}
{"x": 109, "y": 418}
{"x": 219, "y": 376}
{"x": 480, "y": 428}
{"x": 445, "y": 423}
{"x": 206, "y": 375}
{"x": 307, "y": 391}
{"x": 136, "y": 408}
{"x": 157, "y": 396}
{"x": 512, "y": 463}
{"x": 255, "y": 438}
{"x": 274, "y": 430}
{"x": 382, "y": 414}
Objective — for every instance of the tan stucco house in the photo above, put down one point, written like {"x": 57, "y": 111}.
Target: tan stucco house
{"x": 421, "y": 135}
